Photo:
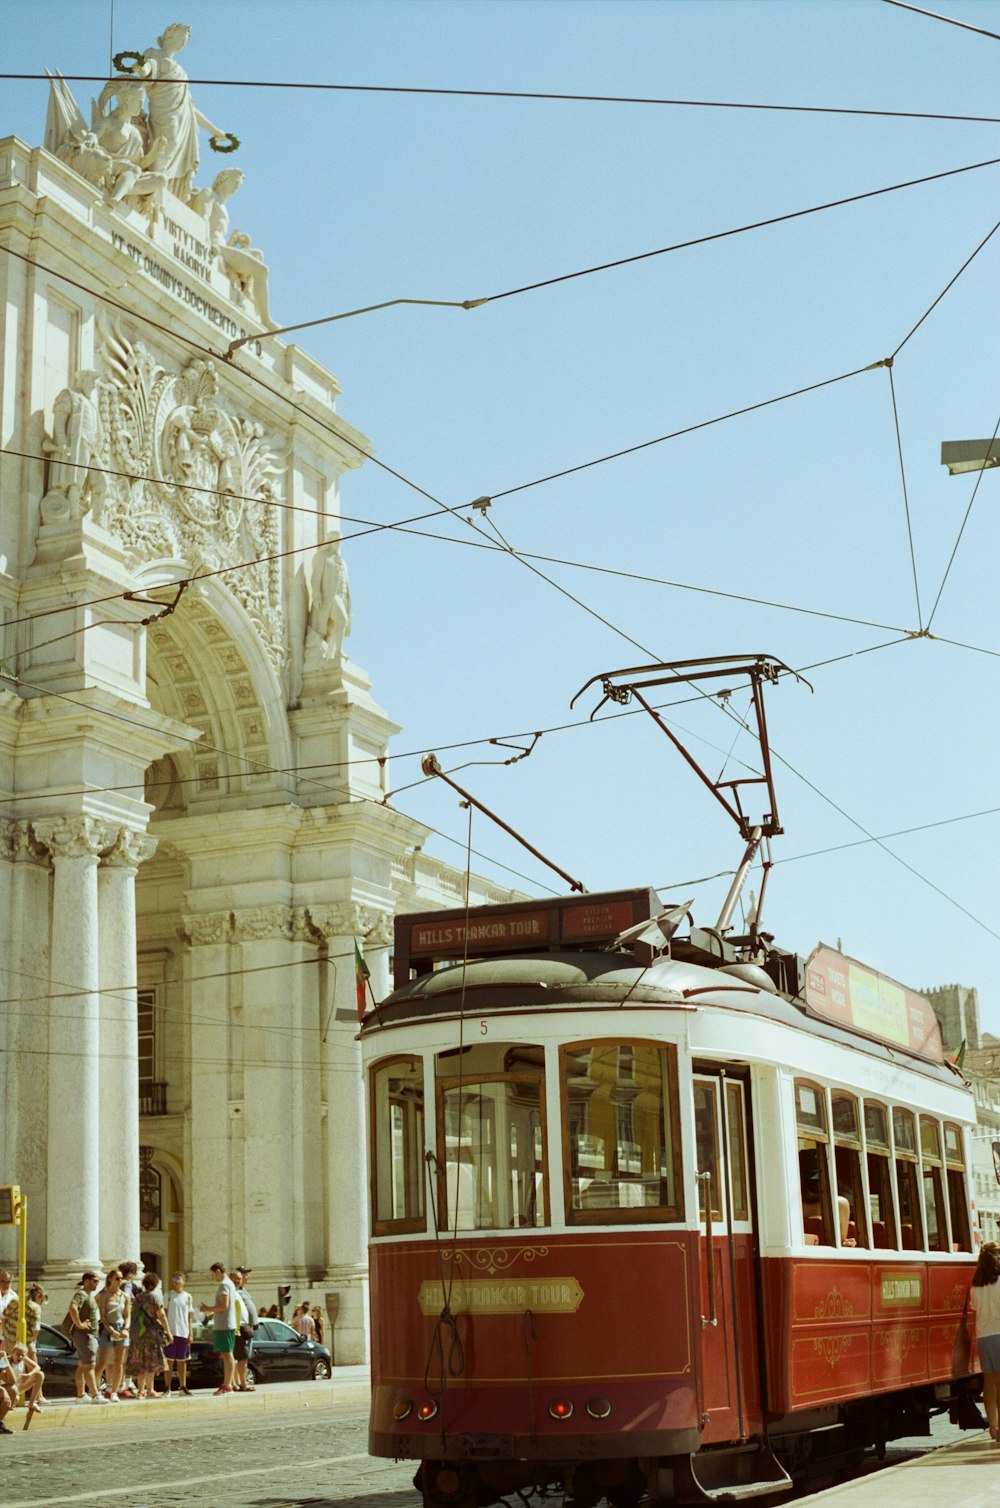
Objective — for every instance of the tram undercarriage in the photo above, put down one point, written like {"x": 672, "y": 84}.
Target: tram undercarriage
{"x": 796, "y": 1449}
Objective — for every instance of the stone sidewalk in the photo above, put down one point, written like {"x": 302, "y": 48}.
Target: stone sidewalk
{"x": 348, "y": 1385}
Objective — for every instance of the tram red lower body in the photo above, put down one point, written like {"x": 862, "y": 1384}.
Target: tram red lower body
{"x": 596, "y": 1344}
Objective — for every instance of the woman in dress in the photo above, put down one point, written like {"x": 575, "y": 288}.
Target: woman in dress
{"x": 114, "y": 1306}
{"x": 984, "y": 1301}
{"x": 150, "y": 1332}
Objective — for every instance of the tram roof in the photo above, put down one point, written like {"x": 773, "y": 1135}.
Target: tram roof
{"x": 561, "y": 981}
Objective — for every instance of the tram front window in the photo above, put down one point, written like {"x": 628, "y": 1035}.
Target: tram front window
{"x": 620, "y": 1122}
{"x": 491, "y": 1138}
{"x": 397, "y": 1119}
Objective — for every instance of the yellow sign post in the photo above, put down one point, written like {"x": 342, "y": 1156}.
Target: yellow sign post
{"x": 14, "y": 1211}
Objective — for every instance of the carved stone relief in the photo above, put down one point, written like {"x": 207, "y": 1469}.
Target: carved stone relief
{"x": 204, "y": 478}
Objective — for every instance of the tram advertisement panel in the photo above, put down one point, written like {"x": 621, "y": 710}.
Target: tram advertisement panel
{"x": 840, "y": 989}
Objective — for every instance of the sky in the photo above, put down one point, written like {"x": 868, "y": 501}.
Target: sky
{"x": 360, "y": 197}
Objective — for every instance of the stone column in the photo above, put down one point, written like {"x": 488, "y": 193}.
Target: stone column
{"x": 24, "y": 942}
{"x": 119, "y": 1036}
{"x": 346, "y": 1159}
{"x": 72, "y": 1219}
{"x": 209, "y": 1179}
{"x": 278, "y": 1180}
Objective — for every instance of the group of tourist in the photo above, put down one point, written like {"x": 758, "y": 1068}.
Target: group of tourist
{"x": 126, "y": 1333}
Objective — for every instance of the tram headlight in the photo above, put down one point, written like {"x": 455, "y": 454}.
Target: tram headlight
{"x": 561, "y": 1409}
{"x": 427, "y": 1411}
{"x": 599, "y": 1408}
{"x": 403, "y": 1409}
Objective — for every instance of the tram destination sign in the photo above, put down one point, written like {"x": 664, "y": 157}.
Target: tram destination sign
{"x": 523, "y": 927}
{"x": 849, "y": 993}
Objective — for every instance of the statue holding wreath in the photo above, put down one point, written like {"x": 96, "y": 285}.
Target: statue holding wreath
{"x": 173, "y": 116}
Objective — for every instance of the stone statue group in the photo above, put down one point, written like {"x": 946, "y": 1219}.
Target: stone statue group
{"x": 143, "y": 140}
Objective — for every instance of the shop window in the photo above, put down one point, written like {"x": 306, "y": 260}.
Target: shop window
{"x": 396, "y": 1115}
{"x": 958, "y": 1199}
{"x": 814, "y": 1163}
{"x": 878, "y": 1156}
{"x": 933, "y": 1181}
{"x": 852, "y": 1225}
{"x": 621, "y": 1135}
{"x": 911, "y": 1227}
{"x": 491, "y": 1138}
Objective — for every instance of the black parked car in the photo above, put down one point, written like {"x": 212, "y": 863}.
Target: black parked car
{"x": 279, "y": 1354}
{"x": 58, "y": 1360}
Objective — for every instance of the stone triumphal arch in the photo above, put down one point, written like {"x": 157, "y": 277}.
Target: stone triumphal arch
{"x": 192, "y": 771}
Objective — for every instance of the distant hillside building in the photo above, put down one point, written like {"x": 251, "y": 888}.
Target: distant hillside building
{"x": 957, "y": 1010}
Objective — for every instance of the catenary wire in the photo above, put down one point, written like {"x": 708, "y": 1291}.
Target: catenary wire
{"x": 965, "y": 520}
{"x": 933, "y": 16}
{"x": 445, "y": 508}
{"x": 739, "y": 230}
{"x": 906, "y": 497}
{"x": 643, "y": 445}
{"x": 530, "y": 94}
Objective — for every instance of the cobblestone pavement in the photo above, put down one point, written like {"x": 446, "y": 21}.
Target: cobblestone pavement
{"x": 311, "y": 1458}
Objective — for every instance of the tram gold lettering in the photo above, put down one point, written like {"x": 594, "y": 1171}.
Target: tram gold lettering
{"x": 501, "y": 1296}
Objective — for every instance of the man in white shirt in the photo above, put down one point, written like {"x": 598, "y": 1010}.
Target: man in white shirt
{"x": 8, "y": 1294}
{"x": 180, "y": 1314}
{"x": 223, "y": 1313}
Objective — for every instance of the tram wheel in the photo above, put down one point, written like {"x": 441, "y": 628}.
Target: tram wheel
{"x": 445, "y": 1484}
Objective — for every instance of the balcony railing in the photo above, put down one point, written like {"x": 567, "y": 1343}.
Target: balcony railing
{"x": 152, "y": 1099}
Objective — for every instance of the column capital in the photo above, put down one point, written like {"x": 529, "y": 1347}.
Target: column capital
{"x": 74, "y": 837}
{"x": 206, "y": 928}
{"x": 346, "y": 919}
{"x": 383, "y": 931}
{"x": 258, "y": 923}
{"x": 129, "y": 849}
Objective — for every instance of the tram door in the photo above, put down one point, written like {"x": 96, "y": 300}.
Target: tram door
{"x": 730, "y": 1392}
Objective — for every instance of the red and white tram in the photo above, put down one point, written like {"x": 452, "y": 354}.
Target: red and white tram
{"x": 649, "y": 1223}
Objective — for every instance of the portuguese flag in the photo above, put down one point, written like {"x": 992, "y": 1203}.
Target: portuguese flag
{"x": 361, "y": 977}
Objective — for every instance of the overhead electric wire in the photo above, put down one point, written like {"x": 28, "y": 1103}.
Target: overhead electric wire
{"x": 965, "y": 520}
{"x": 906, "y": 498}
{"x": 880, "y": 843}
{"x": 918, "y": 10}
{"x": 739, "y": 230}
{"x": 543, "y": 96}
{"x": 567, "y": 471}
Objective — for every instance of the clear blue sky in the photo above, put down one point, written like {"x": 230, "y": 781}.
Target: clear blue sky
{"x": 356, "y": 198}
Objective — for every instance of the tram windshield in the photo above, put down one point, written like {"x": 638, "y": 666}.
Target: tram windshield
{"x": 620, "y": 1120}
{"x": 491, "y": 1137}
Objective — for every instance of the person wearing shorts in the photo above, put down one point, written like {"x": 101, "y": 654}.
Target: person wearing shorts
{"x": 85, "y": 1318}
{"x": 223, "y": 1313}
{"x": 180, "y": 1314}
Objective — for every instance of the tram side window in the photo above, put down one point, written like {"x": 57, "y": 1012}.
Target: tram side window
{"x": 958, "y": 1199}
{"x": 621, "y": 1139}
{"x": 934, "y": 1205}
{"x": 911, "y": 1226}
{"x": 706, "y": 1138}
{"x": 847, "y": 1166}
{"x": 491, "y": 1138}
{"x": 878, "y": 1156}
{"x": 736, "y": 1128}
{"x": 814, "y": 1165}
{"x": 397, "y": 1129}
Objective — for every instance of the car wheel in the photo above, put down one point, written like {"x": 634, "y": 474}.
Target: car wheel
{"x": 320, "y": 1371}
{"x": 253, "y": 1376}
